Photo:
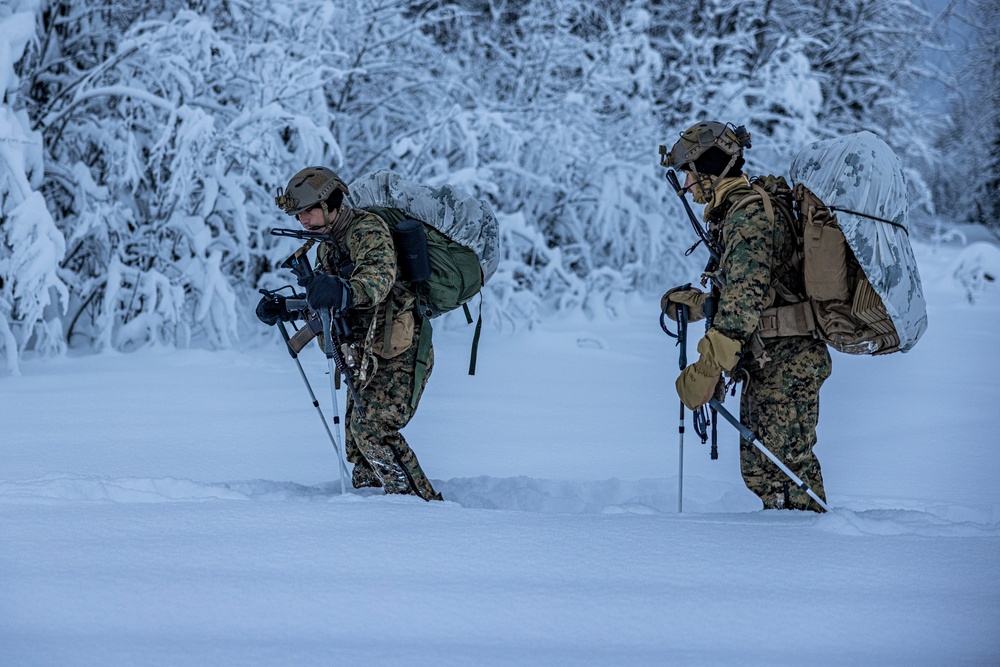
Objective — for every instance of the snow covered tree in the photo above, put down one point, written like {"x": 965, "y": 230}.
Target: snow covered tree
{"x": 164, "y": 147}
{"x": 739, "y": 62}
{"x": 32, "y": 296}
{"x": 560, "y": 121}
{"x": 969, "y": 184}
{"x": 867, "y": 57}
{"x": 167, "y": 126}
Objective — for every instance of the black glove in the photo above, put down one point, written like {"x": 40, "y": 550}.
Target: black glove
{"x": 273, "y": 308}
{"x": 323, "y": 291}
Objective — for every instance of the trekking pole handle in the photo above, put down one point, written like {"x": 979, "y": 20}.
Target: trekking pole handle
{"x": 682, "y": 327}
{"x": 663, "y": 318}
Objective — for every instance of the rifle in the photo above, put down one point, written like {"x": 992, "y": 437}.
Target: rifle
{"x": 713, "y": 248}
{"x": 302, "y": 235}
{"x": 335, "y": 328}
{"x": 700, "y": 418}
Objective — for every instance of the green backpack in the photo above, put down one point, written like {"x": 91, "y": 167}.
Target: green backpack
{"x": 455, "y": 277}
{"x": 455, "y": 273}
{"x": 462, "y": 241}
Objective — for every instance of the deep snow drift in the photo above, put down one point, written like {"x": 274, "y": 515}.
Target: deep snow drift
{"x": 184, "y": 507}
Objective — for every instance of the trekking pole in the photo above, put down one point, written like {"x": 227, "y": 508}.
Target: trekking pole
{"x": 334, "y": 440}
{"x": 681, "y": 336}
{"x": 750, "y": 437}
{"x": 324, "y": 315}
{"x": 682, "y": 321}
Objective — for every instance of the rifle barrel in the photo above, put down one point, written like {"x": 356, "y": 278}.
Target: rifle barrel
{"x": 301, "y": 235}
{"x": 675, "y": 184}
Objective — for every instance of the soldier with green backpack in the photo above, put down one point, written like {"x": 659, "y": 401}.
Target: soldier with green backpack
{"x": 382, "y": 273}
{"x": 355, "y": 278}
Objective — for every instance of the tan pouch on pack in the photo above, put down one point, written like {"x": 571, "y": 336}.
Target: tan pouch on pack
{"x": 824, "y": 262}
{"x": 400, "y": 337}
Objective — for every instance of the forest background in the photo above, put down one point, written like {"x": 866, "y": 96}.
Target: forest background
{"x": 141, "y": 142}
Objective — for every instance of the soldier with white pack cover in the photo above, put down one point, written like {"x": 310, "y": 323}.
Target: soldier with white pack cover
{"x": 793, "y": 270}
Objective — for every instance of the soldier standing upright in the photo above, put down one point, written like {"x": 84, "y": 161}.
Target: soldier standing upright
{"x": 357, "y": 277}
{"x": 781, "y": 376}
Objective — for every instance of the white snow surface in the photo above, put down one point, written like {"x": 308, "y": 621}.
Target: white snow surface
{"x": 184, "y": 508}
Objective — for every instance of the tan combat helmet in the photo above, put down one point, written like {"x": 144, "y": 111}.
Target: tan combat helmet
{"x": 697, "y": 140}
{"x": 310, "y": 187}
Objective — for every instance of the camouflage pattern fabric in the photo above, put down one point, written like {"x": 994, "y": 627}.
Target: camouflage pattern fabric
{"x": 375, "y": 446}
{"x": 380, "y": 454}
{"x": 370, "y": 248}
{"x": 859, "y": 172}
{"x": 780, "y": 405}
{"x": 456, "y": 214}
{"x": 753, "y": 251}
{"x": 780, "y": 401}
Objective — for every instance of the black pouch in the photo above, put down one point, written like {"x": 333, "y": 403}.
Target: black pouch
{"x": 411, "y": 250}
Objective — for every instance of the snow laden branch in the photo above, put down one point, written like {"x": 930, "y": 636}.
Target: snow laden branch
{"x": 32, "y": 294}
{"x": 162, "y": 133}
{"x": 158, "y": 161}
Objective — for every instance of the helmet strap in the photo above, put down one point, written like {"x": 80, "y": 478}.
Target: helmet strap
{"x": 700, "y": 181}
{"x": 732, "y": 161}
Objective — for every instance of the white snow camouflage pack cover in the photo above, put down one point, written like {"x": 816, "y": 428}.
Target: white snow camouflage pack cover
{"x": 458, "y": 215}
{"x": 860, "y": 172}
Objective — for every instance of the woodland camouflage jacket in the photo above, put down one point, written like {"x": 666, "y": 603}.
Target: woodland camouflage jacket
{"x": 370, "y": 267}
{"x": 754, "y": 256}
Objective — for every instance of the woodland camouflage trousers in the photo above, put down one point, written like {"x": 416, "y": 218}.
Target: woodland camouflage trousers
{"x": 380, "y": 454}
{"x": 780, "y": 405}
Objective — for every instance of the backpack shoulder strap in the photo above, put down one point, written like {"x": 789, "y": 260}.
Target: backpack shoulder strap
{"x": 795, "y": 318}
{"x": 774, "y": 201}
{"x": 768, "y": 199}
{"x": 765, "y": 198}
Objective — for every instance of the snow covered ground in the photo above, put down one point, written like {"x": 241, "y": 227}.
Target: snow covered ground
{"x": 184, "y": 508}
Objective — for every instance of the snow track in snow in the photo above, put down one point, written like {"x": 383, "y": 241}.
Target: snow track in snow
{"x": 525, "y": 494}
